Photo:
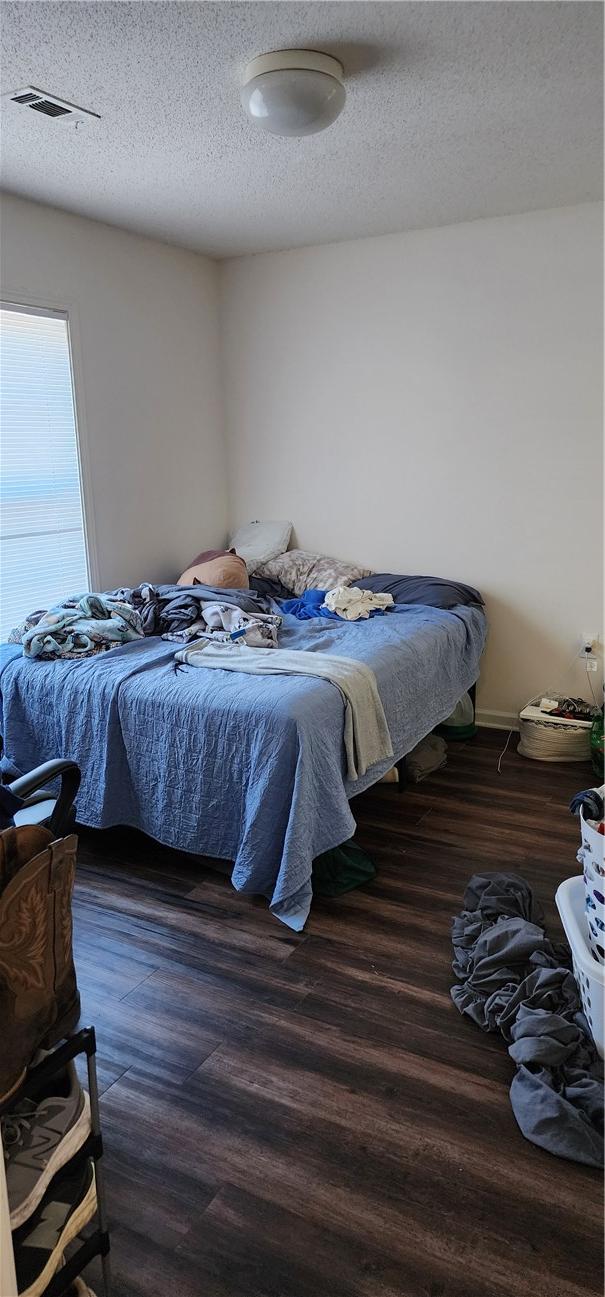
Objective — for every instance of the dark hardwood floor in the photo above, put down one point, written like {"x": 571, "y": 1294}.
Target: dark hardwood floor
{"x": 309, "y": 1116}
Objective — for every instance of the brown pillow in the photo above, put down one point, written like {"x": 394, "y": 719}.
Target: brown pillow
{"x": 207, "y": 554}
{"x": 225, "y": 571}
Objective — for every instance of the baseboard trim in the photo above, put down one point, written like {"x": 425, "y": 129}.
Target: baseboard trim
{"x": 497, "y": 720}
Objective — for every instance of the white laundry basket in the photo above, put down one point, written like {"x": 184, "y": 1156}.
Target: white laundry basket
{"x": 592, "y": 858}
{"x": 592, "y": 842}
{"x": 589, "y": 975}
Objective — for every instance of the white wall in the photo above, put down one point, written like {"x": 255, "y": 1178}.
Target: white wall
{"x": 430, "y": 402}
{"x": 420, "y": 402}
{"x": 145, "y": 335}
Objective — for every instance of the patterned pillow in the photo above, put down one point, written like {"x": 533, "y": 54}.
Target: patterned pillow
{"x": 299, "y": 571}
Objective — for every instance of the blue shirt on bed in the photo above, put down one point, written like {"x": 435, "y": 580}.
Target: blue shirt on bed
{"x": 309, "y": 605}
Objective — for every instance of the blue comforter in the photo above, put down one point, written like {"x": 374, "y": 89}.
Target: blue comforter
{"x": 245, "y": 768}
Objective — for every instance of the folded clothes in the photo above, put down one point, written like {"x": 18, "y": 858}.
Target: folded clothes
{"x": 352, "y": 603}
{"x": 81, "y": 626}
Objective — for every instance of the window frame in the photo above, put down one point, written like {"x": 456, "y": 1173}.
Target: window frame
{"x": 28, "y": 304}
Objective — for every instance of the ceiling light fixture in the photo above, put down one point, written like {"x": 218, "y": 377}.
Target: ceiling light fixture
{"x": 293, "y": 92}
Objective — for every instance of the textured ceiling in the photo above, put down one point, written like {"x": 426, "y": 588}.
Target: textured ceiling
{"x": 454, "y": 111}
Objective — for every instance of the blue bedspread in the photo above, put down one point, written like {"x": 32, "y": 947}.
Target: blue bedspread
{"x": 245, "y": 768}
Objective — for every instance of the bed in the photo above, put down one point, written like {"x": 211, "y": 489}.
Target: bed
{"x": 249, "y": 769}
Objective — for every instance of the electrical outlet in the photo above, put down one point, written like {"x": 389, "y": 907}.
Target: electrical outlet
{"x": 591, "y": 662}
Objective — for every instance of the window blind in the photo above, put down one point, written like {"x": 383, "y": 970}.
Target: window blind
{"x": 42, "y": 542}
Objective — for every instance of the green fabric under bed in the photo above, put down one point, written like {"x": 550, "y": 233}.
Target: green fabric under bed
{"x": 341, "y": 869}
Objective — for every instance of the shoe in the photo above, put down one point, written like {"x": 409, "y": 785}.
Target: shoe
{"x": 39, "y": 1001}
{"x": 17, "y": 848}
{"x": 39, "y": 1137}
{"x": 69, "y": 1203}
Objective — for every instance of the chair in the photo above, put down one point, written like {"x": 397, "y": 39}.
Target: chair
{"x": 40, "y": 805}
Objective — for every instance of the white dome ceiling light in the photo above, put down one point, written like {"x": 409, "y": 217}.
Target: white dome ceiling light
{"x": 293, "y": 92}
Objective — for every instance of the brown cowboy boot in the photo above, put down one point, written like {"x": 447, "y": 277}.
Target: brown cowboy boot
{"x": 39, "y": 1001}
{"x": 16, "y": 848}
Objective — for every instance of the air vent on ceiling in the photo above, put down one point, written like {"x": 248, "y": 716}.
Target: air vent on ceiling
{"x": 47, "y": 105}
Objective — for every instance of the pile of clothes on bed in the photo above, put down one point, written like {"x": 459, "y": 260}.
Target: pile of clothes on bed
{"x": 226, "y": 596}
{"x": 78, "y": 627}
{"x": 93, "y": 623}
{"x": 83, "y": 625}
{"x": 349, "y": 603}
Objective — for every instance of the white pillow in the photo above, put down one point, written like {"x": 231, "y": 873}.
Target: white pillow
{"x": 260, "y": 541}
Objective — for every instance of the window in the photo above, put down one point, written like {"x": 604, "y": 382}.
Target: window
{"x": 42, "y": 542}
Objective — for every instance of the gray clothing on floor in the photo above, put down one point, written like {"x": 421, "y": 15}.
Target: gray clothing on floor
{"x": 511, "y": 978}
{"x": 428, "y": 755}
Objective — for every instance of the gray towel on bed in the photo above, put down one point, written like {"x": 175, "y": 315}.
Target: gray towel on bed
{"x": 366, "y": 733}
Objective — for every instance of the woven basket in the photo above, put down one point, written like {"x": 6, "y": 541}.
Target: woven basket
{"x": 544, "y": 738}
